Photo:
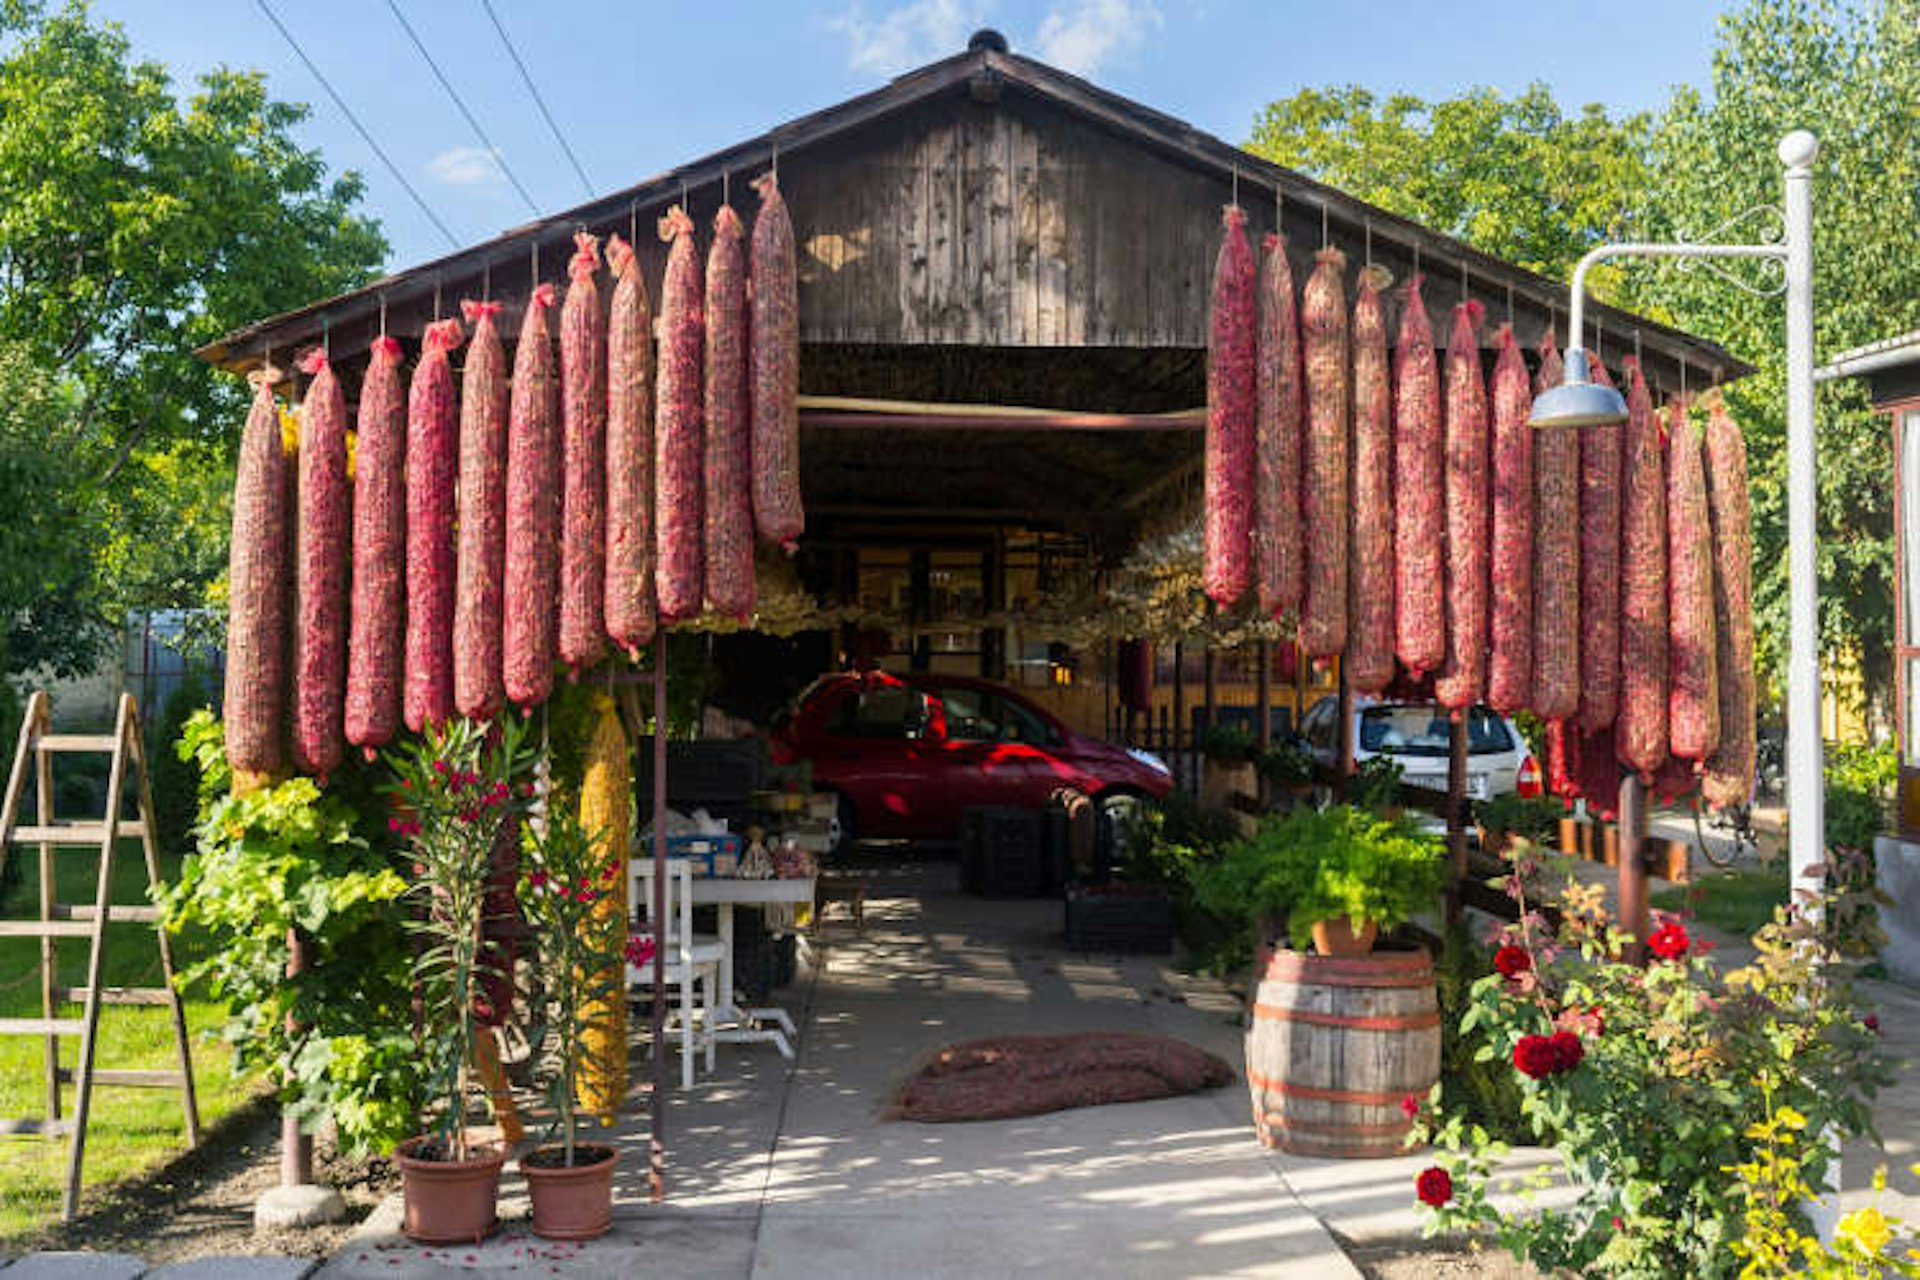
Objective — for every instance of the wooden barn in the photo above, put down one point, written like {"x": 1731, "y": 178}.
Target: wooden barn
{"x": 1004, "y": 281}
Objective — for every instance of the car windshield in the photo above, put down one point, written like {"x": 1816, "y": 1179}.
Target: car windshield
{"x": 1422, "y": 731}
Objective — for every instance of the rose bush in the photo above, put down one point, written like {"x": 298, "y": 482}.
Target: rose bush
{"x": 1649, "y": 1082}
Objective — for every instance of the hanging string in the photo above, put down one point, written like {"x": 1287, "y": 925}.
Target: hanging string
{"x": 1636, "y": 346}
{"x": 633, "y": 224}
{"x": 1367, "y": 231}
{"x": 383, "y": 315}
{"x": 1325, "y": 238}
{"x": 1509, "y": 306}
{"x": 1463, "y": 282}
{"x": 326, "y": 335}
{"x": 1683, "y": 377}
{"x": 536, "y": 264}
{"x": 1416, "y": 257}
{"x": 486, "y": 282}
{"x": 1236, "y": 186}
{"x": 726, "y": 186}
{"x": 776, "y": 163}
{"x": 436, "y": 299}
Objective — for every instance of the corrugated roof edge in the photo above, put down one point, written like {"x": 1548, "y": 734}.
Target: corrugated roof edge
{"x": 243, "y": 348}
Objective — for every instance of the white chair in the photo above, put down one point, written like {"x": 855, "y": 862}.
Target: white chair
{"x": 692, "y": 959}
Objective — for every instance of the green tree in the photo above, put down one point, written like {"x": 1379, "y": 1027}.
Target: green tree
{"x": 1852, "y": 75}
{"x": 1512, "y": 176}
{"x": 134, "y": 226}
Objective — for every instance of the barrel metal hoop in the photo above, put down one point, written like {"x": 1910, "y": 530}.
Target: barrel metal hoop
{"x": 1276, "y": 1120}
{"x": 1317, "y": 1094}
{"x": 1418, "y": 1021}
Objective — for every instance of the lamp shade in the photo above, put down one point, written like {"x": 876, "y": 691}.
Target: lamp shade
{"x": 1578, "y": 402}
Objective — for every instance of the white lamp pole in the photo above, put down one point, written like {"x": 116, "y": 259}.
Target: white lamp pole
{"x": 1580, "y": 402}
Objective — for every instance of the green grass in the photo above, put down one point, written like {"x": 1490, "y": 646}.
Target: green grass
{"x": 1737, "y": 901}
{"x": 130, "y": 1130}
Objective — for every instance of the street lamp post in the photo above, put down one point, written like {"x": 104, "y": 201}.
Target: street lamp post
{"x": 1578, "y": 401}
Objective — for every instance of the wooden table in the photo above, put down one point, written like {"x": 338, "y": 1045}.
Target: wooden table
{"x": 734, "y": 1024}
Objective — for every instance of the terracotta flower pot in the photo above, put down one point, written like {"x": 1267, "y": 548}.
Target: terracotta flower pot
{"x": 571, "y": 1202}
{"x": 449, "y": 1201}
{"x": 1340, "y": 938}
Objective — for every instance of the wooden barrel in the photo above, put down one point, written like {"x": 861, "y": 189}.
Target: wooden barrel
{"x": 1335, "y": 1044}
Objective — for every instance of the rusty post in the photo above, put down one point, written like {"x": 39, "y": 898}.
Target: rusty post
{"x": 656, "y": 1111}
{"x": 1263, "y": 716}
{"x": 1180, "y": 714}
{"x": 1343, "y": 762}
{"x": 1457, "y": 739}
{"x": 296, "y": 1148}
{"x": 1633, "y": 865}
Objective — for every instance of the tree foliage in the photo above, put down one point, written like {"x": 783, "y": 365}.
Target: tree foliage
{"x": 136, "y": 225}
{"x": 1518, "y": 178}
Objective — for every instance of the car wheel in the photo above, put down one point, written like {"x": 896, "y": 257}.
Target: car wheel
{"x": 843, "y": 828}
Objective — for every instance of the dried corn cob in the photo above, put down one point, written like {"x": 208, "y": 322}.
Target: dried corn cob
{"x": 629, "y": 591}
{"x": 606, "y": 790}
{"x": 377, "y": 621}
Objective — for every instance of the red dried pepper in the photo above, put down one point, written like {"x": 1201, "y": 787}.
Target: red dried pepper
{"x": 679, "y": 522}
{"x": 481, "y": 552}
{"x": 1510, "y": 650}
{"x": 583, "y": 429}
{"x": 432, "y": 463}
{"x": 1325, "y": 465}
{"x": 1369, "y": 660}
{"x": 377, "y": 620}
{"x": 1419, "y": 484}
{"x": 1728, "y": 777}
{"x": 259, "y": 575}
{"x": 532, "y": 577}
{"x": 1600, "y": 463}
{"x": 320, "y": 636}
{"x": 1693, "y": 696}
{"x": 1279, "y": 401}
{"x": 774, "y": 334}
{"x": 1463, "y": 675}
{"x": 629, "y": 593}
{"x": 729, "y": 443}
{"x": 1230, "y": 416}
{"x": 1641, "y": 725}
{"x": 1556, "y": 558}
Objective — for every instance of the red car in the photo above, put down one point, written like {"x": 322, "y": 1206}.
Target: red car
{"x": 907, "y": 755}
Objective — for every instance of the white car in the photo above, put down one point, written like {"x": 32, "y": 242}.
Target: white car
{"x": 1415, "y": 735}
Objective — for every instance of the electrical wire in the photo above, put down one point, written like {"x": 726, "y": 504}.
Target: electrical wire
{"x": 534, "y": 91}
{"x": 499, "y": 156}
{"x": 354, "y": 120}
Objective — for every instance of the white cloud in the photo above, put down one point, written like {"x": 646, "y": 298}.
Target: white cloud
{"x": 467, "y": 167}
{"x": 903, "y": 38}
{"x": 1081, "y": 35}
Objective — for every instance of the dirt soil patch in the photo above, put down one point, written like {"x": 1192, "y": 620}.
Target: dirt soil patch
{"x": 1417, "y": 1258}
{"x": 202, "y": 1203}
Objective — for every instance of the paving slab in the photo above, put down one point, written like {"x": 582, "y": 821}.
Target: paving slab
{"x": 236, "y": 1267}
{"x": 685, "y": 1246}
{"x": 77, "y": 1265}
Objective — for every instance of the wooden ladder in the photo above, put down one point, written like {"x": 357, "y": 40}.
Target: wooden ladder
{"x": 33, "y": 757}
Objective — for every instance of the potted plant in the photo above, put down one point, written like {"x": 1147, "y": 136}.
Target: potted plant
{"x": 565, "y": 872}
{"x": 1375, "y": 785}
{"x": 1229, "y": 752}
{"x": 454, "y": 786}
{"x": 1287, "y": 767}
{"x": 1534, "y": 819}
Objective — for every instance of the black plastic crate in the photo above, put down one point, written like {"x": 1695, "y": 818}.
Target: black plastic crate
{"x": 1003, "y": 852}
{"x": 1119, "y": 921}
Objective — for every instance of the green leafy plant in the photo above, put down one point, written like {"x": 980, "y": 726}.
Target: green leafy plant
{"x": 1535, "y": 819}
{"x": 564, "y": 874}
{"x": 1648, "y": 1082}
{"x": 1324, "y": 864}
{"x": 453, "y": 788}
{"x": 1375, "y": 784}
{"x": 175, "y": 778}
{"x": 1228, "y": 744}
{"x": 1286, "y": 764}
{"x": 290, "y": 858}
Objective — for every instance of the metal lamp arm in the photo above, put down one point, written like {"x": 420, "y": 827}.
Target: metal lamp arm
{"x": 1576, "y": 311}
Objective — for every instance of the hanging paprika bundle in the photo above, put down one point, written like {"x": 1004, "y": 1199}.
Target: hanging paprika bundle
{"x": 1463, "y": 675}
{"x": 1370, "y": 630}
{"x": 1419, "y": 493}
{"x": 774, "y": 334}
{"x": 1693, "y": 694}
{"x": 728, "y": 457}
{"x": 432, "y": 460}
{"x": 481, "y": 548}
{"x": 629, "y": 591}
{"x": 1640, "y": 732}
{"x": 1728, "y": 777}
{"x": 377, "y": 618}
{"x": 1325, "y": 464}
{"x": 679, "y": 522}
{"x": 258, "y": 580}
{"x": 583, "y": 433}
{"x": 320, "y": 638}
{"x": 1556, "y": 557}
{"x": 1600, "y": 462}
{"x": 1279, "y": 400}
{"x": 1230, "y": 416}
{"x": 1510, "y": 648}
{"x": 528, "y": 623}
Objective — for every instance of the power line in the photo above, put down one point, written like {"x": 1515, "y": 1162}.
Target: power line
{"x": 538, "y": 101}
{"x": 499, "y": 156}
{"x": 354, "y": 120}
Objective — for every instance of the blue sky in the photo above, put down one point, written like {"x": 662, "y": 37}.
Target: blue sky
{"x": 640, "y": 87}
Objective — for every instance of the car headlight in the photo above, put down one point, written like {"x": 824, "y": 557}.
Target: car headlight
{"x": 1150, "y": 760}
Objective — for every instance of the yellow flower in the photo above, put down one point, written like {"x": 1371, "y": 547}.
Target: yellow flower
{"x": 1867, "y": 1228}
{"x": 1790, "y": 1118}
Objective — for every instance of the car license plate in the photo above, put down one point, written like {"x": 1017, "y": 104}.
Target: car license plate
{"x": 1478, "y": 784}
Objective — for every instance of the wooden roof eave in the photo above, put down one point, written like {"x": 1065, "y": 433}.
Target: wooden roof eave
{"x": 351, "y": 318}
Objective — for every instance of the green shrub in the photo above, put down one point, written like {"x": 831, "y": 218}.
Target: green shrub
{"x": 1228, "y": 744}
{"x": 1375, "y": 784}
{"x": 175, "y": 779}
{"x": 1286, "y": 764}
{"x": 1482, "y": 1089}
{"x": 1535, "y": 819}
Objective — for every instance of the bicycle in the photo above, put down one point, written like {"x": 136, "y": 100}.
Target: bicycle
{"x": 1735, "y": 821}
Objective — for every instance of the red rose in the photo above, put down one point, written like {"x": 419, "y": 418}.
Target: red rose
{"x": 1536, "y": 1056}
{"x": 1512, "y": 961}
{"x": 1434, "y": 1186}
{"x": 1568, "y": 1049}
{"x": 1872, "y": 1023}
{"x": 1669, "y": 941}
{"x": 1410, "y": 1105}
